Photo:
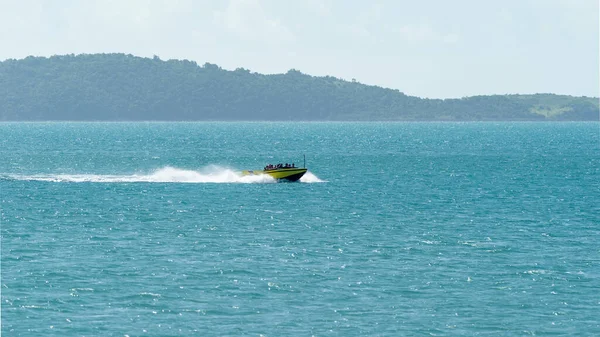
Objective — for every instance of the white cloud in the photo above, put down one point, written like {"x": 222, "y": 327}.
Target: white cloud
{"x": 419, "y": 32}
{"x": 321, "y": 8}
{"x": 248, "y": 20}
{"x": 423, "y": 32}
{"x": 450, "y": 38}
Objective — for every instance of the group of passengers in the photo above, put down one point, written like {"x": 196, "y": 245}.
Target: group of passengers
{"x": 278, "y": 166}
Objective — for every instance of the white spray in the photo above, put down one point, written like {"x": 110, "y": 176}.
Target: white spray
{"x": 209, "y": 174}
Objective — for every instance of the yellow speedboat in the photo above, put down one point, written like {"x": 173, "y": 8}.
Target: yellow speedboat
{"x": 283, "y": 173}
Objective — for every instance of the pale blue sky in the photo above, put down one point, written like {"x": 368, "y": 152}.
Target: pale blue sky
{"x": 427, "y": 48}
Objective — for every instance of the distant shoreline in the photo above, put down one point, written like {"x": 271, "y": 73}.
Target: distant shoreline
{"x": 119, "y": 87}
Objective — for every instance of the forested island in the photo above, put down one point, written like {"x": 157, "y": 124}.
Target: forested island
{"x": 119, "y": 87}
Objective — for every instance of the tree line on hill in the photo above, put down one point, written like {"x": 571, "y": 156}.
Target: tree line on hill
{"x": 119, "y": 87}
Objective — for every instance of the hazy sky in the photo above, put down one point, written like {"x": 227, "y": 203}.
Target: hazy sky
{"x": 426, "y": 48}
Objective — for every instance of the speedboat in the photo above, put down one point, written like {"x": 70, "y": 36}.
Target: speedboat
{"x": 280, "y": 172}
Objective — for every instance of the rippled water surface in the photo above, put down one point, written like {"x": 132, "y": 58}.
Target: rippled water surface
{"x": 115, "y": 229}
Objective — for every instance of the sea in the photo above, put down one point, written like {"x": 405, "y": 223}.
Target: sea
{"x": 397, "y": 229}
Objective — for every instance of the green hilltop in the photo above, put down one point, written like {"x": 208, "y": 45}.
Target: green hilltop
{"x": 119, "y": 87}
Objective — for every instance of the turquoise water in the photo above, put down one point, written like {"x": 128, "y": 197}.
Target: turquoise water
{"x": 145, "y": 229}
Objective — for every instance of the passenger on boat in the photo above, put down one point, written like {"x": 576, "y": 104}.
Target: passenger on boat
{"x": 278, "y": 166}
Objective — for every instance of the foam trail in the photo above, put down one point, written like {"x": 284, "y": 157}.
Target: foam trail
{"x": 308, "y": 177}
{"x": 211, "y": 174}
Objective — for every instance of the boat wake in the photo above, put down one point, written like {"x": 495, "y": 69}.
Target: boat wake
{"x": 308, "y": 177}
{"x": 209, "y": 174}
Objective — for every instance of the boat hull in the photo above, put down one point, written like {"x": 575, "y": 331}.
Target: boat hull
{"x": 283, "y": 174}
